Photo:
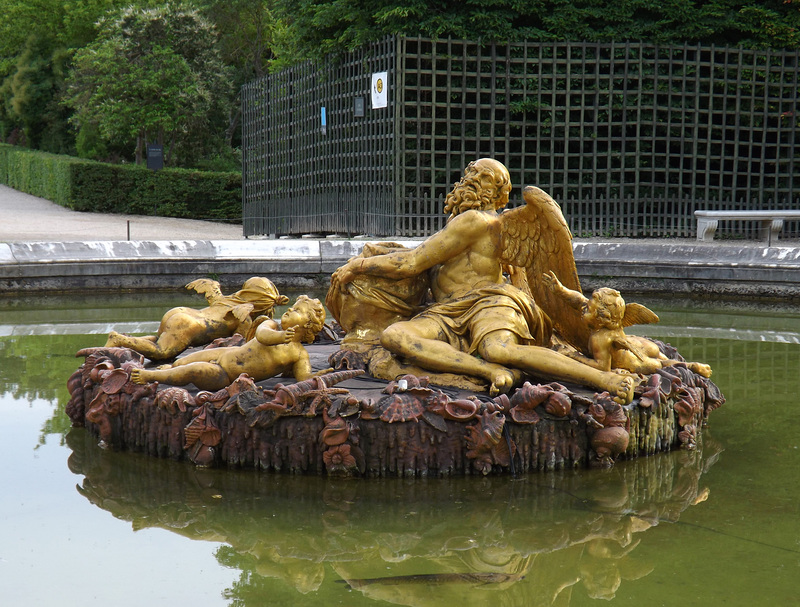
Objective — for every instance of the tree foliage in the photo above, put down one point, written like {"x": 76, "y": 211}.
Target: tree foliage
{"x": 152, "y": 74}
{"x": 251, "y": 38}
{"x": 37, "y": 38}
{"x": 169, "y": 79}
{"x": 322, "y": 27}
{"x": 31, "y": 92}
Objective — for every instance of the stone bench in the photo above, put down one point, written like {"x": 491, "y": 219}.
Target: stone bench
{"x": 771, "y": 222}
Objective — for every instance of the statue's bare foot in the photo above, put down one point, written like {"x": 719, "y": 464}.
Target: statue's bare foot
{"x": 700, "y": 369}
{"x": 621, "y": 387}
{"x": 139, "y": 376}
{"x": 113, "y": 340}
{"x": 502, "y": 381}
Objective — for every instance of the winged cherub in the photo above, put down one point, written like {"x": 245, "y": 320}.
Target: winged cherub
{"x": 476, "y": 309}
{"x": 606, "y": 315}
{"x": 273, "y": 350}
{"x": 224, "y": 316}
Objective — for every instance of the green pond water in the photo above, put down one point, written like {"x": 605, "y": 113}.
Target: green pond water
{"x": 84, "y": 526}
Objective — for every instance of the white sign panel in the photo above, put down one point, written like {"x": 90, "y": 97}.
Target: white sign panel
{"x": 380, "y": 85}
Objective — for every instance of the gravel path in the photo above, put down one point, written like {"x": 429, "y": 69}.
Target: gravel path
{"x": 26, "y": 218}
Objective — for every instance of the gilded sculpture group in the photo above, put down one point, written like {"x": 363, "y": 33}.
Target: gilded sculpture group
{"x": 489, "y": 300}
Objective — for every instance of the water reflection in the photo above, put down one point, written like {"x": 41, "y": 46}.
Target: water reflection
{"x": 424, "y": 542}
{"x": 292, "y": 541}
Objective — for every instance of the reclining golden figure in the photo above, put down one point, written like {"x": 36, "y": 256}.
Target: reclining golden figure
{"x": 273, "y": 350}
{"x": 492, "y": 312}
{"x": 226, "y": 315}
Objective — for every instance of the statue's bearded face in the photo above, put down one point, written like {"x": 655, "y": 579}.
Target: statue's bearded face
{"x": 502, "y": 196}
{"x": 485, "y": 185}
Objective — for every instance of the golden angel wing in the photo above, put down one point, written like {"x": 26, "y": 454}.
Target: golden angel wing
{"x": 637, "y": 314}
{"x": 242, "y": 312}
{"x": 207, "y": 287}
{"x": 536, "y": 237}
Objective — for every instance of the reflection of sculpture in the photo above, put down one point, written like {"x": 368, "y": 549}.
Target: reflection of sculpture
{"x": 476, "y": 310}
{"x": 225, "y": 315}
{"x": 273, "y": 350}
{"x": 606, "y": 314}
{"x": 523, "y": 543}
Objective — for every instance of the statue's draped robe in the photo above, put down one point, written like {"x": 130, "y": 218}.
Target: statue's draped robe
{"x": 467, "y": 320}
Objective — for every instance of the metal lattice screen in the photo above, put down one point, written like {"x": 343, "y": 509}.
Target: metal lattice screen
{"x": 300, "y": 177}
{"x": 630, "y": 138}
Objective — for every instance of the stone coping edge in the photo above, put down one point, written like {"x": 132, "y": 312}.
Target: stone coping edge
{"x": 632, "y": 265}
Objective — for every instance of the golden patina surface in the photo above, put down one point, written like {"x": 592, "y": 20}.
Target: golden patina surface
{"x": 493, "y": 317}
{"x": 225, "y": 315}
{"x": 274, "y": 349}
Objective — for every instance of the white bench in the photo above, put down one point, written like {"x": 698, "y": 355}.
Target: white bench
{"x": 771, "y": 222}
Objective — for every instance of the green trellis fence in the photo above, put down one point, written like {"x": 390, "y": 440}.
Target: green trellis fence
{"x": 630, "y": 138}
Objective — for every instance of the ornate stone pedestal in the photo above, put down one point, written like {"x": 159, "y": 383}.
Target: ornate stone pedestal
{"x": 345, "y": 424}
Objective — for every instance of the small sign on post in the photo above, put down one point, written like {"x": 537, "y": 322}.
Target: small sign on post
{"x": 358, "y": 107}
{"x": 155, "y": 156}
{"x": 379, "y": 90}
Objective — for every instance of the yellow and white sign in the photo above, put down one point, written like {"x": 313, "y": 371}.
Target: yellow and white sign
{"x": 380, "y": 86}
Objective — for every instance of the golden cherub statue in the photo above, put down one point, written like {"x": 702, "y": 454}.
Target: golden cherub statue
{"x": 477, "y": 310}
{"x": 273, "y": 351}
{"x": 225, "y": 316}
{"x": 606, "y": 315}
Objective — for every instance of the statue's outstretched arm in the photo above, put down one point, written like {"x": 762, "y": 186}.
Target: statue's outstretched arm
{"x": 456, "y": 236}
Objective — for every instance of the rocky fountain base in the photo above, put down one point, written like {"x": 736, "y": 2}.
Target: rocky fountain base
{"x": 344, "y": 423}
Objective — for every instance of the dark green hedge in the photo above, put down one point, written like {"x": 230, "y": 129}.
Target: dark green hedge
{"x": 84, "y": 185}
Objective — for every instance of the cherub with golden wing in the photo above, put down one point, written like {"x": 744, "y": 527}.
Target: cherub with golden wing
{"x": 477, "y": 311}
{"x": 226, "y": 315}
{"x": 605, "y": 315}
{"x": 536, "y": 240}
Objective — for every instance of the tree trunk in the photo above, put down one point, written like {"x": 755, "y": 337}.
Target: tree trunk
{"x": 139, "y": 146}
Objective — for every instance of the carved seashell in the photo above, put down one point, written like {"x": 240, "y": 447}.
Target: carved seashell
{"x": 530, "y": 396}
{"x": 408, "y": 383}
{"x": 131, "y": 364}
{"x": 173, "y": 399}
{"x": 114, "y": 381}
{"x": 202, "y": 428}
{"x": 689, "y": 405}
{"x": 484, "y": 444}
{"x": 558, "y": 404}
{"x": 461, "y": 409}
{"x": 400, "y": 408}
{"x": 524, "y": 416}
{"x": 347, "y": 359}
{"x": 488, "y": 430}
{"x": 651, "y": 395}
{"x": 75, "y": 382}
{"x": 96, "y": 408}
{"x": 502, "y": 403}
{"x": 100, "y": 369}
{"x": 335, "y": 432}
{"x": 243, "y": 383}
{"x": 610, "y": 442}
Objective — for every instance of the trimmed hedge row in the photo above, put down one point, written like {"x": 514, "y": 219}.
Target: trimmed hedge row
{"x": 85, "y": 185}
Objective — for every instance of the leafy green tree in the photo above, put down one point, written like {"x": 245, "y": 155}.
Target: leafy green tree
{"x": 322, "y": 27}
{"x": 37, "y": 38}
{"x": 152, "y": 75}
{"x": 30, "y": 96}
{"x": 251, "y": 36}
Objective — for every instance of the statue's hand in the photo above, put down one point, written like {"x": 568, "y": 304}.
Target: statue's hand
{"x": 551, "y": 281}
{"x": 345, "y": 274}
{"x": 288, "y": 334}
